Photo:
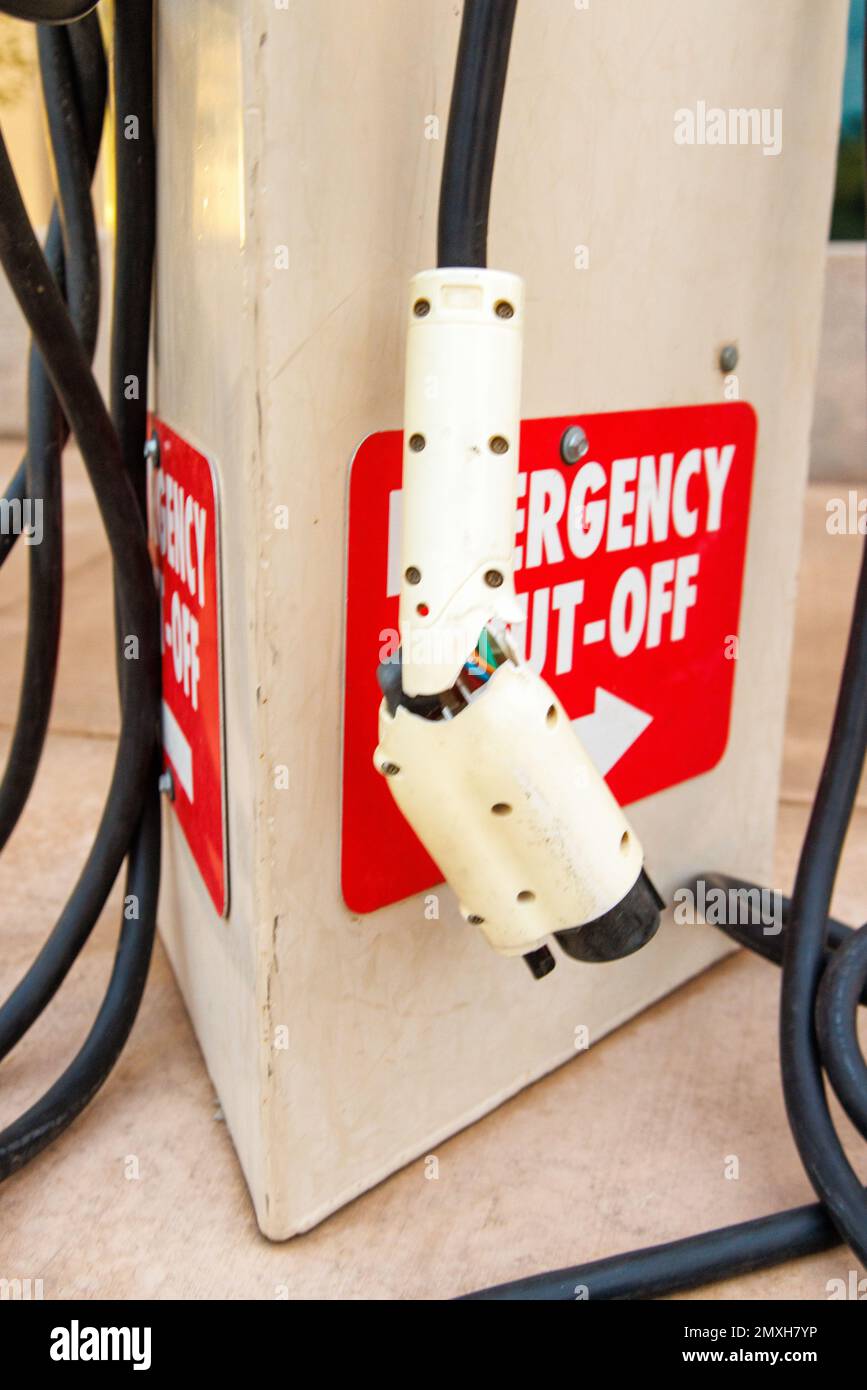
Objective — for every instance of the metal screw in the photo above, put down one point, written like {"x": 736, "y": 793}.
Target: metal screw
{"x": 574, "y": 444}
{"x": 166, "y": 784}
{"x": 493, "y": 579}
{"x": 421, "y": 308}
{"x": 728, "y": 358}
{"x": 389, "y": 769}
{"x": 475, "y": 920}
{"x": 152, "y": 450}
{"x": 503, "y": 309}
{"x": 416, "y": 443}
{"x": 413, "y": 576}
{"x": 497, "y": 444}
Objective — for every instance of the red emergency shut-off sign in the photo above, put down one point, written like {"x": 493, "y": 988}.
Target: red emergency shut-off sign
{"x": 184, "y": 536}
{"x": 629, "y": 565}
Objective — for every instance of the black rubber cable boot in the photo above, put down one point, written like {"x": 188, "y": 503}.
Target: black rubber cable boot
{"x": 620, "y": 931}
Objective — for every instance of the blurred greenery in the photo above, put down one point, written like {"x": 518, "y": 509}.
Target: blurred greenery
{"x": 847, "y": 221}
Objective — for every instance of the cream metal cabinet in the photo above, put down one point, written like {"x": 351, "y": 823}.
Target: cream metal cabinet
{"x": 300, "y": 149}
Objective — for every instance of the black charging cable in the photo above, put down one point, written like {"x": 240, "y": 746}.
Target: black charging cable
{"x": 58, "y": 294}
{"x": 471, "y": 135}
{"x": 824, "y": 964}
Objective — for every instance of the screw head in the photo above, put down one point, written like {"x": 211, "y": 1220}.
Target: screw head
{"x": 416, "y": 443}
{"x": 421, "y": 308}
{"x": 412, "y": 575}
{"x": 504, "y": 310}
{"x": 493, "y": 579}
{"x": 389, "y": 769}
{"x": 475, "y": 920}
{"x": 497, "y": 444}
{"x": 574, "y": 444}
{"x": 728, "y": 358}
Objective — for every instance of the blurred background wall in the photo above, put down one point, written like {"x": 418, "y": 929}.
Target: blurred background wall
{"x": 840, "y": 417}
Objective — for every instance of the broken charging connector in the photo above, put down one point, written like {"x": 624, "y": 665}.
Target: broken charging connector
{"x": 479, "y": 754}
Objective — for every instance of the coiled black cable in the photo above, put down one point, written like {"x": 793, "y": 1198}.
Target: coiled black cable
{"x": 74, "y": 105}
{"x": 822, "y": 1155}
{"x": 88, "y": 94}
{"x": 130, "y": 820}
{"x": 135, "y": 173}
{"x": 843, "y": 988}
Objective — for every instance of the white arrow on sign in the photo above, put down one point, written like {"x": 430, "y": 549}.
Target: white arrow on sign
{"x": 611, "y": 729}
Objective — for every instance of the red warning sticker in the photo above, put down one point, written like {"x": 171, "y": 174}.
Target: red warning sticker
{"x": 184, "y": 534}
{"x": 630, "y": 566}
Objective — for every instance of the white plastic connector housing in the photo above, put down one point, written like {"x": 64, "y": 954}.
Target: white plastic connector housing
{"x": 518, "y": 819}
{"x": 460, "y": 466}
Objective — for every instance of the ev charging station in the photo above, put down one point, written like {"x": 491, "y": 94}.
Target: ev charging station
{"x": 658, "y": 227}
